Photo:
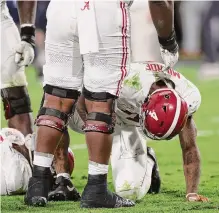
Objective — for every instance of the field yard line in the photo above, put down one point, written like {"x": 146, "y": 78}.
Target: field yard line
{"x": 215, "y": 120}
{"x": 201, "y": 133}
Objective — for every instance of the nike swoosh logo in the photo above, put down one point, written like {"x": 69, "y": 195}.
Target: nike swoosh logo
{"x": 70, "y": 188}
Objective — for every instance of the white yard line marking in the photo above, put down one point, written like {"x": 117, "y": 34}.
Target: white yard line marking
{"x": 201, "y": 133}
{"x": 215, "y": 120}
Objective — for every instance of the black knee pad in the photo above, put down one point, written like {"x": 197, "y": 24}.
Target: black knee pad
{"x": 60, "y": 92}
{"x": 16, "y": 101}
{"x": 61, "y": 125}
{"x": 97, "y": 96}
{"x": 108, "y": 127}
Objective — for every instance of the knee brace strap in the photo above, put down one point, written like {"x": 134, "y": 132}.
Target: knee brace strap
{"x": 107, "y": 128}
{"x": 53, "y": 112}
{"x": 16, "y": 101}
{"x": 97, "y": 96}
{"x": 102, "y": 128}
{"x": 60, "y": 92}
{"x": 61, "y": 125}
{"x": 97, "y": 116}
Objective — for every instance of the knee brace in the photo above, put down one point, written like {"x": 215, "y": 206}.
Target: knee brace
{"x": 16, "y": 101}
{"x": 60, "y": 125}
{"x": 107, "y": 128}
{"x": 63, "y": 118}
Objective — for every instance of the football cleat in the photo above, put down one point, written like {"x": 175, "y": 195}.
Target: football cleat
{"x": 64, "y": 190}
{"x": 37, "y": 192}
{"x": 97, "y": 195}
{"x": 38, "y": 187}
{"x": 155, "y": 176}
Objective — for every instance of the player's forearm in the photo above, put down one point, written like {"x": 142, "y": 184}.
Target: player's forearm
{"x": 162, "y": 13}
{"x": 27, "y": 11}
{"x": 191, "y": 159}
{"x": 191, "y": 156}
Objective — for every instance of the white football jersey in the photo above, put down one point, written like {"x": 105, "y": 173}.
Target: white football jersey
{"x": 14, "y": 167}
{"x": 138, "y": 83}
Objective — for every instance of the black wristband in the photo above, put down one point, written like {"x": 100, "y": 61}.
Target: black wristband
{"x": 169, "y": 43}
{"x": 28, "y": 34}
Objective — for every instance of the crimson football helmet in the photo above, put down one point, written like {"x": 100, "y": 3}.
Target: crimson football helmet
{"x": 163, "y": 114}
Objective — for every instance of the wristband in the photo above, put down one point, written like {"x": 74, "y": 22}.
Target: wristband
{"x": 28, "y": 34}
{"x": 169, "y": 43}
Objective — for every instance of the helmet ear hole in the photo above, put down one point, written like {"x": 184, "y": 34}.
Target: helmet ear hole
{"x": 161, "y": 123}
{"x": 165, "y": 108}
{"x": 167, "y": 96}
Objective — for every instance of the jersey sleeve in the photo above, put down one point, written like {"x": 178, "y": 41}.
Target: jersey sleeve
{"x": 190, "y": 93}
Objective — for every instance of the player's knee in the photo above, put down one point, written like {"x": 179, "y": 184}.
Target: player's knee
{"x": 16, "y": 101}
{"x": 56, "y": 107}
{"x": 100, "y": 108}
{"x": 132, "y": 187}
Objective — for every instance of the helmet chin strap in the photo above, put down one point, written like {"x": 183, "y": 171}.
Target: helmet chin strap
{"x": 169, "y": 86}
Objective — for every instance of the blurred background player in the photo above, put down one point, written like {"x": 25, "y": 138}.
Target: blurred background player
{"x": 157, "y": 108}
{"x": 19, "y": 49}
{"x": 210, "y": 67}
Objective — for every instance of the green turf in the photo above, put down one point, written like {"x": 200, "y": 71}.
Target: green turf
{"x": 172, "y": 196}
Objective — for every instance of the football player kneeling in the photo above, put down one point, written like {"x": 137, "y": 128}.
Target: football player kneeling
{"x": 153, "y": 104}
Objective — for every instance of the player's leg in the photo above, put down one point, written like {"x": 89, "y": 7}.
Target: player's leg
{"x": 61, "y": 85}
{"x": 104, "y": 73}
{"x": 129, "y": 157}
{"x": 16, "y": 101}
{"x": 63, "y": 189}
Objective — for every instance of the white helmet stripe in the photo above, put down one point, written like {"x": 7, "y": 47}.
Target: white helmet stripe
{"x": 176, "y": 117}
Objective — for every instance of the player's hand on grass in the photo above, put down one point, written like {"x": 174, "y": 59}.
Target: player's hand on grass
{"x": 194, "y": 197}
{"x": 24, "y": 55}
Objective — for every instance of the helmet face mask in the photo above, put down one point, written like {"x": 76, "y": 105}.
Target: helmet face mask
{"x": 163, "y": 114}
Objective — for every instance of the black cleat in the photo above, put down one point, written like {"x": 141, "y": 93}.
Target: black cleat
{"x": 155, "y": 176}
{"x": 96, "y": 195}
{"x": 38, "y": 187}
{"x": 63, "y": 190}
{"x": 37, "y": 192}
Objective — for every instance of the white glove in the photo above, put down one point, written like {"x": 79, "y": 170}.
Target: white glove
{"x": 169, "y": 59}
{"x": 24, "y": 54}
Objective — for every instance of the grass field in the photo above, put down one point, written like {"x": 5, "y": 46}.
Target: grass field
{"x": 172, "y": 196}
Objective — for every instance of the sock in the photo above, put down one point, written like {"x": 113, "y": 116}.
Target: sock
{"x": 65, "y": 175}
{"x": 43, "y": 159}
{"x": 97, "y": 174}
{"x": 97, "y": 168}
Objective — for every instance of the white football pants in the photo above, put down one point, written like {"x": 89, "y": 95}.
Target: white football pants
{"x": 101, "y": 71}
